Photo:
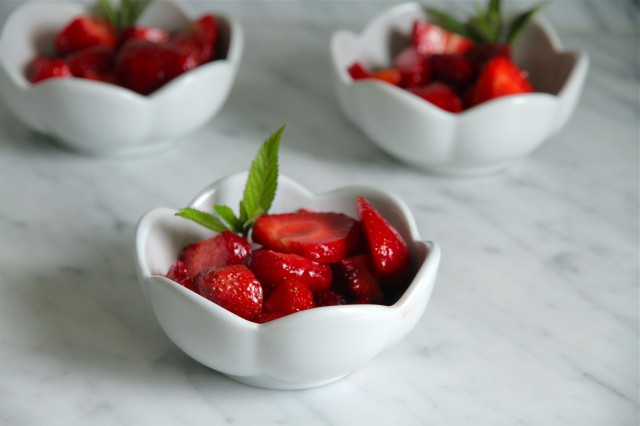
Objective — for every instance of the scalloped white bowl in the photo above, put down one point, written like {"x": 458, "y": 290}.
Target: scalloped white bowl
{"x": 302, "y": 350}
{"x": 483, "y": 139}
{"x": 105, "y": 119}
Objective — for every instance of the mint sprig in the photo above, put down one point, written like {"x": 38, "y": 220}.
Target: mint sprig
{"x": 259, "y": 192}
{"x": 486, "y": 25}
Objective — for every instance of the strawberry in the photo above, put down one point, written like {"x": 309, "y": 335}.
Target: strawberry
{"x": 147, "y": 33}
{"x": 389, "y": 251}
{"x": 178, "y": 273}
{"x": 330, "y": 298}
{"x": 144, "y": 66}
{"x": 290, "y": 296}
{"x": 200, "y": 38}
{"x": 324, "y": 237}
{"x": 95, "y": 63}
{"x": 485, "y": 52}
{"x": 499, "y": 77}
{"x": 357, "y": 71}
{"x": 83, "y": 32}
{"x": 413, "y": 66}
{"x": 224, "y": 249}
{"x": 452, "y": 69}
{"x": 391, "y": 76}
{"x": 268, "y": 317}
{"x": 440, "y": 95}
{"x": 43, "y": 68}
{"x": 233, "y": 287}
{"x": 358, "y": 277}
{"x": 431, "y": 39}
{"x": 271, "y": 268}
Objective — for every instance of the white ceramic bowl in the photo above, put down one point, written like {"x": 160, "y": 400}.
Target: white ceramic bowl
{"x": 302, "y": 350}
{"x": 105, "y": 119}
{"x": 483, "y": 139}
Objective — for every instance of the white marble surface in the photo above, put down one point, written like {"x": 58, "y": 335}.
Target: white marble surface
{"x": 534, "y": 319}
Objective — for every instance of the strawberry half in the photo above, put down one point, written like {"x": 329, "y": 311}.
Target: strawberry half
{"x": 440, "y": 95}
{"x": 95, "y": 63}
{"x": 290, "y": 296}
{"x": 272, "y": 268}
{"x": 178, "y": 273}
{"x": 432, "y": 39}
{"x": 389, "y": 252}
{"x": 83, "y": 32}
{"x": 234, "y": 288}
{"x": 413, "y": 67}
{"x": 451, "y": 68}
{"x": 157, "y": 35}
{"x": 358, "y": 278}
{"x": 499, "y": 77}
{"x": 330, "y": 298}
{"x": 324, "y": 237}
{"x": 200, "y": 38}
{"x": 43, "y": 68}
{"x": 224, "y": 249}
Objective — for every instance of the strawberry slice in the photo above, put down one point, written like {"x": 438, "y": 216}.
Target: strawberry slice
{"x": 95, "y": 63}
{"x": 268, "y": 316}
{"x": 324, "y": 237}
{"x": 440, "y": 95}
{"x": 43, "y": 68}
{"x": 357, "y": 71}
{"x": 391, "y": 76}
{"x": 224, "y": 249}
{"x": 413, "y": 67}
{"x": 200, "y": 38}
{"x": 233, "y": 287}
{"x": 290, "y": 296}
{"x": 147, "y": 33}
{"x": 499, "y": 77}
{"x": 144, "y": 66}
{"x": 83, "y": 32}
{"x": 451, "y": 68}
{"x": 389, "y": 251}
{"x": 178, "y": 273}
{"x": 272, "y": 268}
{"x": 431, "y": 39}
{"x": 358, "y": 278}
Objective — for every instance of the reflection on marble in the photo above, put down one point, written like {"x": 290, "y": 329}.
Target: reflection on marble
{"x": 533, "y": 321}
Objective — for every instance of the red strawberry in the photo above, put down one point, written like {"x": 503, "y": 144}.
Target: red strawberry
{"x": 413, "y": 66}
{"x": 322, "y": 237}
{"x": 391, "y": 76}
{"x": 178, "y": 273}
{"x": 268, "y": 316}
{"x": 83, "y": 32}
{"x": 144, "y": 66}
{"x": 499, "y": 77}
{"x": 357, "y": 71}
{"x": 272, "y": 268}
{"x": 487, "y": 51}
{"x": 94, "y": 63}
{"x": 290, "y": 296}
{"x": 224, "y": 249}
{"x": 451, "y": 68}
{"x": 440, "y": 95}
{"x": 147, "y": 33}
{"x": 233, "y": 287}
{"x": 357, "y": 275}
{"x": 431, "y": 39}
{"x": 200, "y": 38}
{"x": 389, "y": 251}
{"x": 43, "y": 68}
{"x": 330, "y": 298}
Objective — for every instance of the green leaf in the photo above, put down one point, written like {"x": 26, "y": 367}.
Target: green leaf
{"x": 107, "y": 9}
{"x": 262, "y": 181}
{"x": 228, "y": 216}
{"x": 448, "y": 22}
{"x": 203, "y": 218}
{"x": 521, "y": 21}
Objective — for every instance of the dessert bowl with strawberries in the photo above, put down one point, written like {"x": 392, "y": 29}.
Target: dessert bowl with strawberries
{"x": 298, "y": 290}
{"x": 122, "y": 79}
{"x": 443, "y": 96}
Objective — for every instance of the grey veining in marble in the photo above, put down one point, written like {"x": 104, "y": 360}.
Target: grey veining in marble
{"x": 534, "y": 318}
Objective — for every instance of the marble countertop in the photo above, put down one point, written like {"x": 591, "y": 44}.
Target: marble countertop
{"x": 534, "y": 317}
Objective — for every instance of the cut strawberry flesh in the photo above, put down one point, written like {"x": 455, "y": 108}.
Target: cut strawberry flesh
{"x": 224, "y": 249}
{"x": 322, "y": 237}
{"x": 290, "y": 296}
{"x": 413, "y": 66}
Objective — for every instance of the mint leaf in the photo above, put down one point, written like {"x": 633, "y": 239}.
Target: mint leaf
{"x": 228, "y": 216}
{"x": 203, "y": 218}
{"x": 521, "y": 21}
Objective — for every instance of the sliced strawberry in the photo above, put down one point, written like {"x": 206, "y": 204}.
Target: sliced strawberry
{"x": 330, "y": 298}
{"x": 357, "y": 71}
{"x": 431, "y": 39}
{"x": 178, "y": 273}
{"x": 458, "y": 44}
{"x": 268, "y": 317}
{"x": 83, "y": 32}
{"x": 200, "y": 38}
{"x": 451, "y": 68}
{"x": 358, "y": 277}
{"x": 290, "y": 296}
{"x": 272, "y": 268}
{"x": 389, "y": 252}
{"x": 413, "y": 66}
{"x": 499, "y": 77}
{"x": 483, "y": 53}
{"x": 95, "y": 63}
{"x": 391, "y": 76}
{"x": 233, "y": 287}
{"x": 43, "y": 68}
{"x": 147, "y": 33}
{"x": 440, "y": 95}
{"x": 324, "y": 237}
{"x": 144, "y": 66}
{"x": 224, "y": 249}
